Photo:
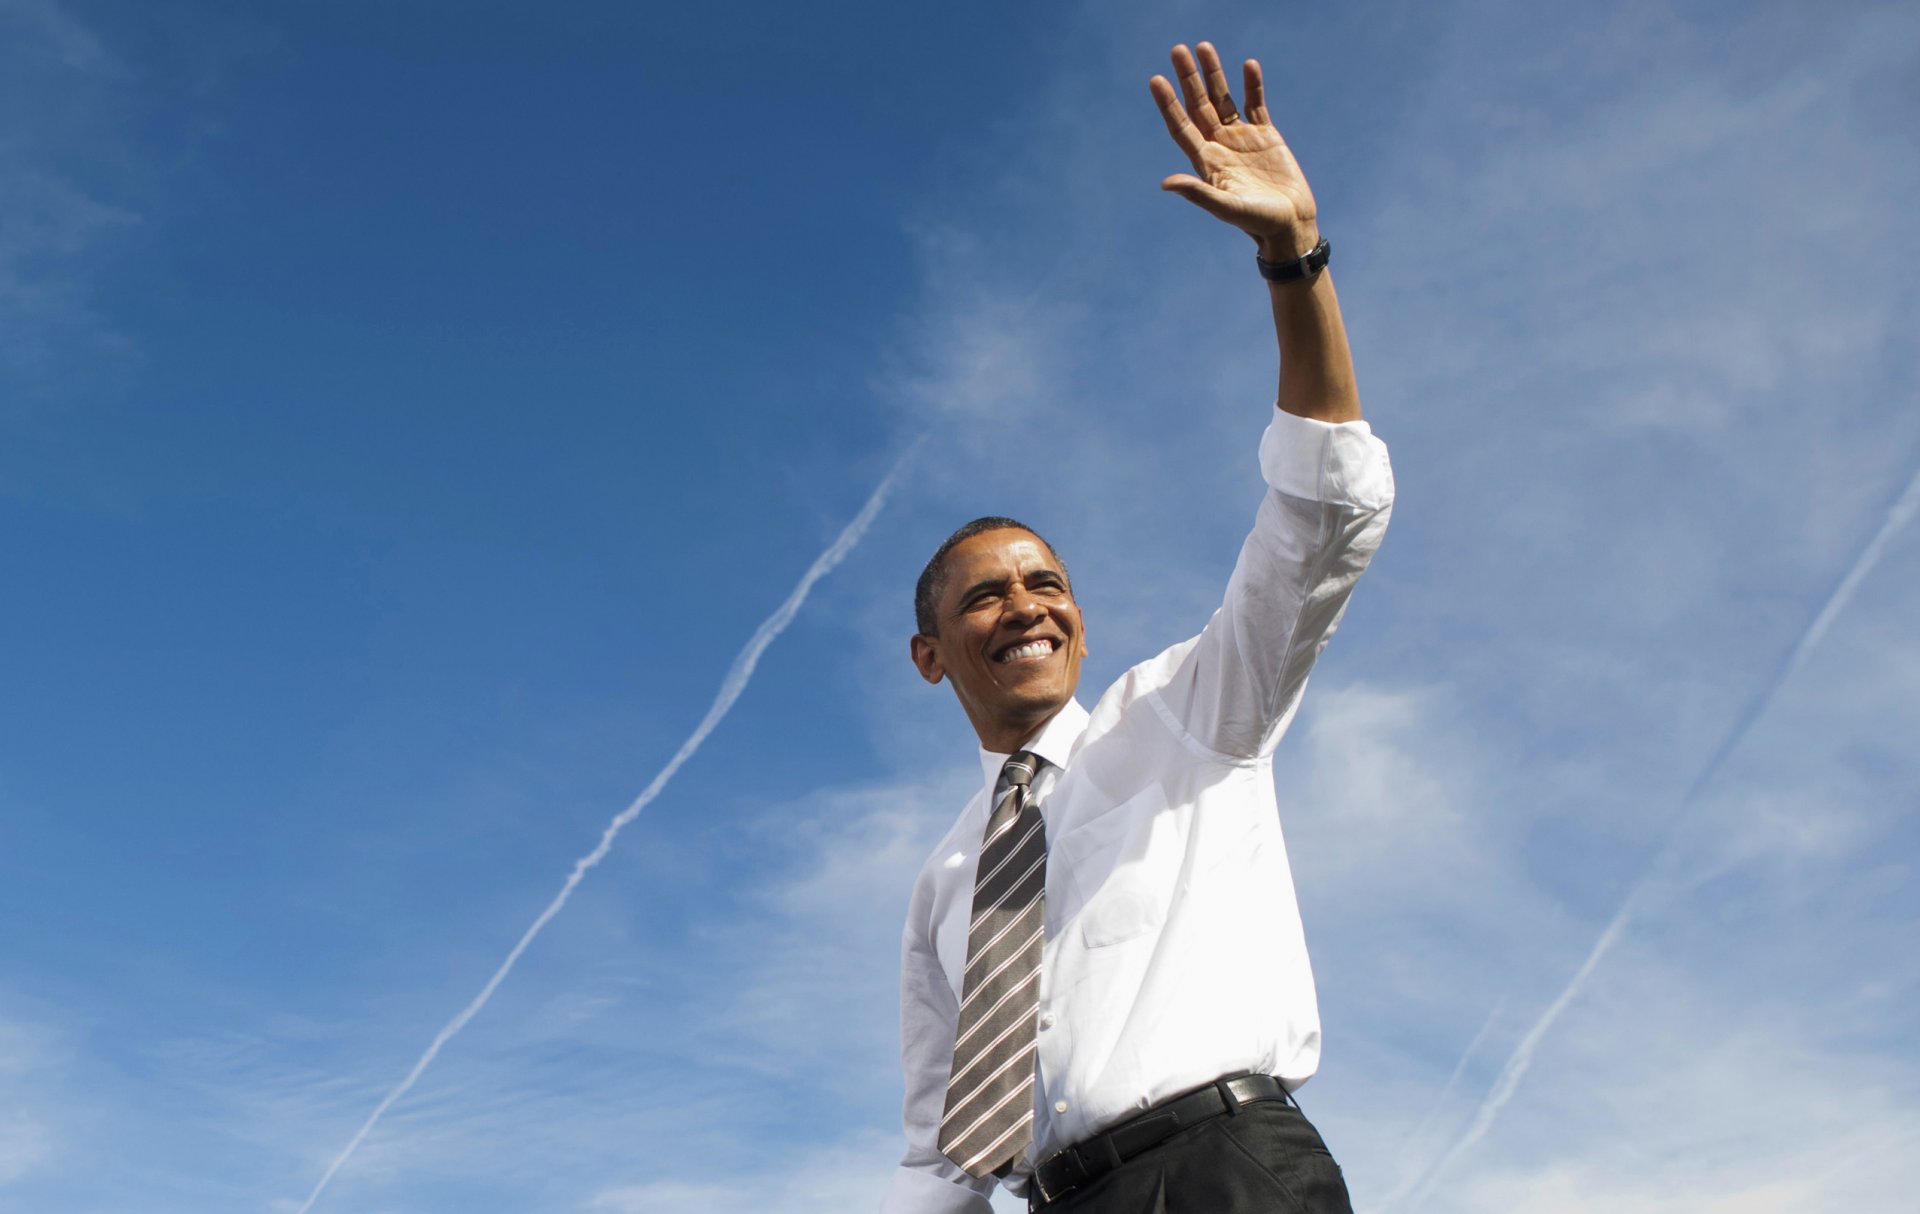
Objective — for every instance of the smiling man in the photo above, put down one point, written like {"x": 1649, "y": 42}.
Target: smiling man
{"x": 1105, "y": 994}
{"x": 997, "y": 619}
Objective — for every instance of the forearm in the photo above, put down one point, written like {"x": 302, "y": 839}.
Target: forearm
{"x": 1316, "y": 367}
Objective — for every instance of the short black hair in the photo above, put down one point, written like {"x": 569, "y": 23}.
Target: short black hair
{"x": 926, "y": 592}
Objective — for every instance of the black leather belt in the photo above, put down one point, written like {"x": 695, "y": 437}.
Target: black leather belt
{"x": 1060, "y": 1174}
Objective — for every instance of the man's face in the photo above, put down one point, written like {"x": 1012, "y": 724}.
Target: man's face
{"x": 1007, "y": 633}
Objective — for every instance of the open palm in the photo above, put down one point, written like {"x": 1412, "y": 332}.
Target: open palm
{"x": 1243, "y": 171}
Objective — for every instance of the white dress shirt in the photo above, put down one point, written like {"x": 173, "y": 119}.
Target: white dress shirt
{"x": 1174, "y": 953}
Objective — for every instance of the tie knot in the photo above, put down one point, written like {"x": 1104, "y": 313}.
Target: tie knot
{"x": 1020, "y": 769}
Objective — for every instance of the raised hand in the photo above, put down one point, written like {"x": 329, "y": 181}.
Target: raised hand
{"x": 1243, "y": 171}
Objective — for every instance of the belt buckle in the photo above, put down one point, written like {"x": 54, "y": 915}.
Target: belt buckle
{"x": 1049, "y": 1194}
{"x": 1038, "y": 1195}
{"x": 1228, "y": 1096}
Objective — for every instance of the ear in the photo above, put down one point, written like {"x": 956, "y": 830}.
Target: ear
{"x": 926, "y": 657}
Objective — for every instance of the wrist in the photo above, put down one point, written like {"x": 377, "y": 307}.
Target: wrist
{"x": 1288, "y": 244}
{"x": 1304, "y": 268}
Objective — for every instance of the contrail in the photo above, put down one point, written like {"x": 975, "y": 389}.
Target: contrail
{"x": 1898, "y": 516}
{"x": 730, "y": 689}
{"x": 1439, "y": 1102}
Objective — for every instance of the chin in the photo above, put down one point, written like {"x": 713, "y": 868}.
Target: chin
{"x": 1039, "y": 703}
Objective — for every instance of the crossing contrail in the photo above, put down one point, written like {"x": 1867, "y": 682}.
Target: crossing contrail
{"x": 1440, "y": 1101}
{"x": 730, "y": 689}
{"x": 1508, "y": 1081}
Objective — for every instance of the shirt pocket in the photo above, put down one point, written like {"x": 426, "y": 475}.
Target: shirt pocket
{"x": 1110, "y": 862}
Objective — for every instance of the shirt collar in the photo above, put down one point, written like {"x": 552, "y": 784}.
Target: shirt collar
{"x": 1055, "y": 743}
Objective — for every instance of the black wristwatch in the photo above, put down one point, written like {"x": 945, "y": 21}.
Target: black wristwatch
{"x": 1308, "y": 265}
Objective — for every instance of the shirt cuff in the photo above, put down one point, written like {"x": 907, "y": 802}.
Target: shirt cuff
{"x": 917, "y": 1192}
{"x": 1337, "y": 463}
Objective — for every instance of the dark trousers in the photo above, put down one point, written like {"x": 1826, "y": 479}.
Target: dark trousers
{"x": 1265, "y": 1159}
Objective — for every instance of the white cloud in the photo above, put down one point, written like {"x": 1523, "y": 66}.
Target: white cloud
{"x": 848, "y": 1175}
{"x": 592, "y": 1090}
{"x": 1669, "y": 1096}
{"x": 814, "y": 967}
{"x": 35, "y": 1104}
{"x": 26, "y": 1145}
{"x": 1381, "y": 765}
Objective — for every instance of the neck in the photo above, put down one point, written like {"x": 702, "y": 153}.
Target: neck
{"x": 1005, "y": 737}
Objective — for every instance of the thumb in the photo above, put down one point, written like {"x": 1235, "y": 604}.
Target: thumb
{"x": 1199, "y": 193}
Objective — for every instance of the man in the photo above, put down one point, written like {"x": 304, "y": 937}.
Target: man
{"x": 1105, "y": 994}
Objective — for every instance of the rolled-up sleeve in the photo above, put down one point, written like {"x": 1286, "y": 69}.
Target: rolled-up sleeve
{"x": 1330, "y": 493}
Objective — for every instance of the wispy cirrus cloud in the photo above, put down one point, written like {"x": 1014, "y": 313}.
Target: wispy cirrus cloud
{"x": 848, "y": 1175}
{"x": 1674, "y": 1096}
{"x": 1665, "y": 857}
{"x": 1641, "y": 426}
{"x": 731, "y": 686}
{"x": 57, "y": 222}
{"x": 31, "y": 1136}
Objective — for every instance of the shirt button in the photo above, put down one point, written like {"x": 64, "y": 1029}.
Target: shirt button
{"x": 1046, "y": 1020}
{"x": 1059, "y": 1106}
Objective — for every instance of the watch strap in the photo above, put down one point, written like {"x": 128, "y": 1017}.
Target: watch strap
{"x": 1308, "y": 265}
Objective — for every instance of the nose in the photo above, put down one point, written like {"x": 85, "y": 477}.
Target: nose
{"x": 1023, "y": 608}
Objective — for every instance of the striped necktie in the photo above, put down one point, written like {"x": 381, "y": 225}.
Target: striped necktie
{"x": 988, "y": 1121}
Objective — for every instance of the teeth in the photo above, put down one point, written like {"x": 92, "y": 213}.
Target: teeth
{"x": 1032, "y": 649}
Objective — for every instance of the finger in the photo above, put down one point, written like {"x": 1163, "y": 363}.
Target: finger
{"x": 1194, "y": 89}
{"x": 1178, "y": 125}
{"x": 1216, "y": 76}
{"x": 1215, "y": 202}
{"x": 1256, "y": 93}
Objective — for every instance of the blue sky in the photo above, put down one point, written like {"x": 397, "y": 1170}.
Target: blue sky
{"x": 408, "y": 411}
